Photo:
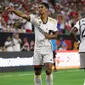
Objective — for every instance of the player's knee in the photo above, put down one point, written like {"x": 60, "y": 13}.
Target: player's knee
{"x": 48, "y": 71}
{"x": 37, "y": 73}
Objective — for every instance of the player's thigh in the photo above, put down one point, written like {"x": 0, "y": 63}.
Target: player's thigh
{"x": 48, "y": 62}
{"x": 37, "y": 58}
{"x": 48, "y": 58}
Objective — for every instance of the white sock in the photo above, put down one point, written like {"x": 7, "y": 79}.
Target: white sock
{"x": 37, "y": 80}
{"x": 49, "y": 79}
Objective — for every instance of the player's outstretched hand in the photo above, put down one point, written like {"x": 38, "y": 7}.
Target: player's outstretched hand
{"x": 9, "y": 8}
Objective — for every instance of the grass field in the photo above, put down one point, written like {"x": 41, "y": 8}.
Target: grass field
{"x": 61, "y": 77}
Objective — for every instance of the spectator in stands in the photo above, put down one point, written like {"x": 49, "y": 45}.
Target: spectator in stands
{"x": 3, "y": 49}
{"x": 16, "y": 42}
{"x": 61, "y": 24}
{"x": 4, "y": 26}
{"x": 27, "y": 26}
{"x": 22, "y": 29}
{"x": 32, "y": 43}
{"x": 75, "y": 46}
{"x": 8, "y": 44}
{"x": 10, "y": 28}
{"x": 1, "y": 19}
{"x": 0, "y": 49}
{"x": 26, "y": 46}
{"x": 12, "y": 18}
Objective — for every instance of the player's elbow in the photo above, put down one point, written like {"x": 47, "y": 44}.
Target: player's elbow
{"x": 26, "y": 17}
{"x": 71, "y": 33}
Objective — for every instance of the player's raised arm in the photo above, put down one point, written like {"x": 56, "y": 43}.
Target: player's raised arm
{"x": 19, "y": 13}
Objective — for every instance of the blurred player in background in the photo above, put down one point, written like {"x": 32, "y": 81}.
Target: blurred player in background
{"x": 42, "y": 52}
{"x": 79, "y": 27}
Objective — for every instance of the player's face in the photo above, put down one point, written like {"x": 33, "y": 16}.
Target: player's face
{"x": 42, "y": 9}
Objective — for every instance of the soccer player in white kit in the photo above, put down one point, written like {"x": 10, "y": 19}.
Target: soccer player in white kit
{"x": 43, "y": 54}
{"x": 79, "y": 27}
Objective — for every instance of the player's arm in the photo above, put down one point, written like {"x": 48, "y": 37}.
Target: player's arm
{"x": 73, "y": 34}
{"x": 53, "y": 36}
{"x": 19, "y": 13}
{"x": 54, "y": 32}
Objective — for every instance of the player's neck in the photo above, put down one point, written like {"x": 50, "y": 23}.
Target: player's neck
{"x": 44, "y": 18}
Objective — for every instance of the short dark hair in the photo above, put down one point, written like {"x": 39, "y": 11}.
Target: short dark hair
{"x": 45, "y": 4}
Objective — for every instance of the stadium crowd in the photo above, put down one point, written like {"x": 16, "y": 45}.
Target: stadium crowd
{"x": 66, "y": 12}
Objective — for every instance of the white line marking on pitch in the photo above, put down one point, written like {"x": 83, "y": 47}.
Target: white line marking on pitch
{"x": 23, "y": 74}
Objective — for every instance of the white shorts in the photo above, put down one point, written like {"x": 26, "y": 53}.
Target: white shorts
{"x": 42, "y": 56}
{"x": 82, "y": 60}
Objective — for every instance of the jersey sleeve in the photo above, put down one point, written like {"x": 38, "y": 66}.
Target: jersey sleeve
{"x": 55, "y": 26}
{"x": 33, "y": 20}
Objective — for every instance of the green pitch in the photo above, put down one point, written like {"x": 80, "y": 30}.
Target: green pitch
{"x": 61, "y": 77}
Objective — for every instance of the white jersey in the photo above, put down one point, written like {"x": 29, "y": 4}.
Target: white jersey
{"x": 9, "y": 48}
{"x": 80, "y": 25}
{"x": 16, "y": 46}
{"x": 40, "y": 40}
